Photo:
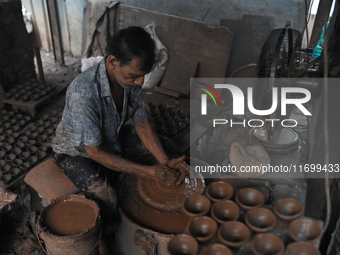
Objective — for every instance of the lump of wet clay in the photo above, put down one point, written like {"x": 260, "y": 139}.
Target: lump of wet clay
{"x": 248, "y": 157}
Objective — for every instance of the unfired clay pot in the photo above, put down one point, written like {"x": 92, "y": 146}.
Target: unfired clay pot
{"x": 183, "y": 244}
{"x": 301, "y": 248}
{"x": 225, "y": 210}
{"x": 249, "y": 198}
{"x": 305, "y": 229}
{"x": 260, "y": 220}
{"x": 216, "y": 249}
{"x": 233, "y": 233}
{"x": 196, "y": 205}
{"x": 288, "y": 209}
{"x": 202, "y": 228}
{"x": 219, "y": 191}
{"x": 268, "y": 244}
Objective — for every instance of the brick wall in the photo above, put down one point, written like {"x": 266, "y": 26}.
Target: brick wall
{"x": 16, "y": 54}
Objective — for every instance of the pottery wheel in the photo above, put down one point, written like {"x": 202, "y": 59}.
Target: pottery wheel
{"x": 167, "y": 198}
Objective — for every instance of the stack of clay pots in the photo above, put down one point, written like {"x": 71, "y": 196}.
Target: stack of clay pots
{"x": 168, "y": 120}
{"x": 224, "y": 222}
{"x": 32, "y": 90}
{"x": 24, "y": 142}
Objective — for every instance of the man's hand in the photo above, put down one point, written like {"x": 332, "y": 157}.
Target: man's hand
{"x": 181, "y": 166}
{"x": 166, "y": 175}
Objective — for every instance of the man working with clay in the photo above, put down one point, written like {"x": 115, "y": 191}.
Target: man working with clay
{"x": 89, "y": 140}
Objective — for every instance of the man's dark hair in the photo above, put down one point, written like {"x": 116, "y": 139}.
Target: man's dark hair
{"x": 130, "y": 43}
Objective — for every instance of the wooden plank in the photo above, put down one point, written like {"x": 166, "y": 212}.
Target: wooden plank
{"x": 55, "y": 30}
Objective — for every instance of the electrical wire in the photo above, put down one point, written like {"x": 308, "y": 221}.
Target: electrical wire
{"x": 327, "y": 192}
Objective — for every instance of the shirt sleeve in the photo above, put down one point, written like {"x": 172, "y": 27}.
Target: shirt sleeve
{"x": 86, "y": 120}
{"x": 141, "y": 113}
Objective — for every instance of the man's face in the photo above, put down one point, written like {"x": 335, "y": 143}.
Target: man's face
{"x": 128, "y": 75}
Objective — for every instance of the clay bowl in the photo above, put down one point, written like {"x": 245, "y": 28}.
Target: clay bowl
{"x": 268, "y": 244}
{"x": 26, "y": 133}
{"x": 24, "y": 166}
{"x": 180, "y": 125}
{"x": 39, "y": 130}
{"x": 2, "y": 137}
{"x": 170, "y": 132}
{"x": 16, "y": 151}
{"x": 219, "y": 191}
{"x": 225, "y": 210}
{"x": 14, "y": 135}
{"x": 32, "y": 160}
{"x": 249, "y": 198}
{"x": 19, "y": 145}
{"x": 171, "y": 111}
{"x": 15, "y": 96}
{"x": 157, "y": 120}
{"x": 42, "y": 138}
{"x": 1, "y": 130}
{"x": 15, "y": 128}
{"x": 48, "y": 131}
{"x": 32, "y": 149}
{"x": 196, "y": 205}
{"x": 6, "y": 147}
{"x": 7, "y": 95}
{"x": 12, "y": 121}
{"x": 33, "y": 136}
{"x": 301, "y": 248}
{"x": 2, "y": 162}
{"x": 164, "y": 115}
{"x": 24, "y": 98}
{"x": 260, "y": 220}
{"x": 44, "y": 117}
{"x": 21, "y": 123}
{"x": 159, "y": 128}
{"x": 186, "y": 121}
{"x": 17, "y": 162}
{"x": 39, "y": 123}
{"x": 24, "y": 155}
{"x": 2, "y": 154}
{"x": 43, "y": 148}
{"x": 27, "y": 118}
{"x": 175, "y": 118}
{"x": 6, "y": 178}
{"x": 152, "y": 105}
{"x": 4, "y": 119}
{"x": 34, "y": 97}
{"x": 5, "y": 168}
{"x": 183, "y": 244}
{"x": 202, "y": 228}
{"x": 162, "y": 107}
{"x": 5, "y": 126}
{"x": 41, "y": 154}
{"x": 8, "y": 132}
{"x": 23, "y": 139}
{"x": 32, "y": 128}
{"x": 233, "y": 233}
{"x": 181, "y": 113}
{"x": 153, "y": 112}
{"x": 288, "y": 209}
{"x": 14, "y": 172}
{"x": 168, "y": 123}
{"x": 216, "y": 249}
{"x": 53, "y": 120}
{"x": 305, "y": 229}
{"x": 30, "y": 142}
{"x": 10, "y": 157}
{"x": 9, "y": 141}
{"x": 3, "y": 112}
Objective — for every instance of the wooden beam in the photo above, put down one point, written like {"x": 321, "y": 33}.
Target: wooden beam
{"x": 55, "y": 31}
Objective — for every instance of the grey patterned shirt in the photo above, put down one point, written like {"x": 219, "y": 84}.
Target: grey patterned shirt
{"x": 90, "y": 115}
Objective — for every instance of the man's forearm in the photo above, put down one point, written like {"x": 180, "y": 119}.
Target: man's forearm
{"x": 117, "y": 163}
{"x": 151, "y": 141}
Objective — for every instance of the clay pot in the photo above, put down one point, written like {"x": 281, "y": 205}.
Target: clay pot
{"x": 2, "y": 138}
{"x": 54, "y": 113}
{"x": 26, "y": 133}
{"x": 5, "y": 126}
{"x": 18, "y": 116}
{"x": 21, "y": 123}
{"x": 15, "y": 128}
{"x": 305, "y": 229}
{"x": 196, "y": 205}
{"x": 24, "y": 98}
{"x": 164, "y": 115}
{"x": 49, "y": 131}
{"x": 202, "y": 228}
{"x": 33, "y": 135}
{"x": 159, "y": 128}
{"x": 39, "y": 123}
{"x": 162, "y": 107}
{"x": 15, "y": 96}
{"x": 47, "y": 124}
{"x": 168, "y": 123}
{"x": 12, "y": 91}
{"x": 42, "y": 148}
{"x": 153, "y": 112}
{"x": 23, "y": 139}
{"x": 14, "y": 172}
{"x": 30, "y": 142}
{"x": 288, "y": 209}
{"x": 14, "y": 135}
{"x": 183, "y": 244}
{"x": 5, "y": 168}
{"x": 170, "y": 132}
{"x": 24, "y": 166}
{"x": 233, "y": 233}
{"x": 39, "y": 130}
{"x": 27, "y": 118}
{"x": 32, "y": 160}
{"x": 12, "y": 121}
{"x": 216, "y": 249}
{"x": 260, "y": 220}
{"x": 2, "y": 162}
{"x": 7, "y": 95}
{"x": 24, "y": 155}
{"x": 181, "y": 113}
{"x": 6, "y": 178}
{"x": 249, "y": 198}
{"x": 53, "y": 120}
{"x": 44, "y": 117}
{"x": 2, "y": 154}
{"x": 16, "y": 151}
{"x": 4, "y": 119}
{"x": 301, "y": 248}
{"x": 175, "y": 118}
{"x": 157, "y": 120}
{"x": 41, "y": 154}
{"x": 268, "y": 244}
{"x": 42, "y": 138}
{"x": 152, "y": 105}
{"x": 8, "y": 132}
{"x": 54, "y": 126}
{"x": 171, "y": 111}
{"x": 17, "y": 162}
{"x": 19, "y": 145}
{"x": 3, "y": 112}
{"x": 1, "y": 131}
{"x": 34, "y": 97}
{"x": 180, "y": 125}
{"x": 9, "y": 158}
{"x": 32, "y": 128}
{"x": 225, "y": 210}
{"x": 219, "y": 191}
{"x": 6, "y": 147}
{"x": 186, "y": 121}
{"x": 9, "y": 141}
{"x": 32, "y": 149}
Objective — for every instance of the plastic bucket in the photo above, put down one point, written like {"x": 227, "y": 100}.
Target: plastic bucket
{"x": 79, "y": 237}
